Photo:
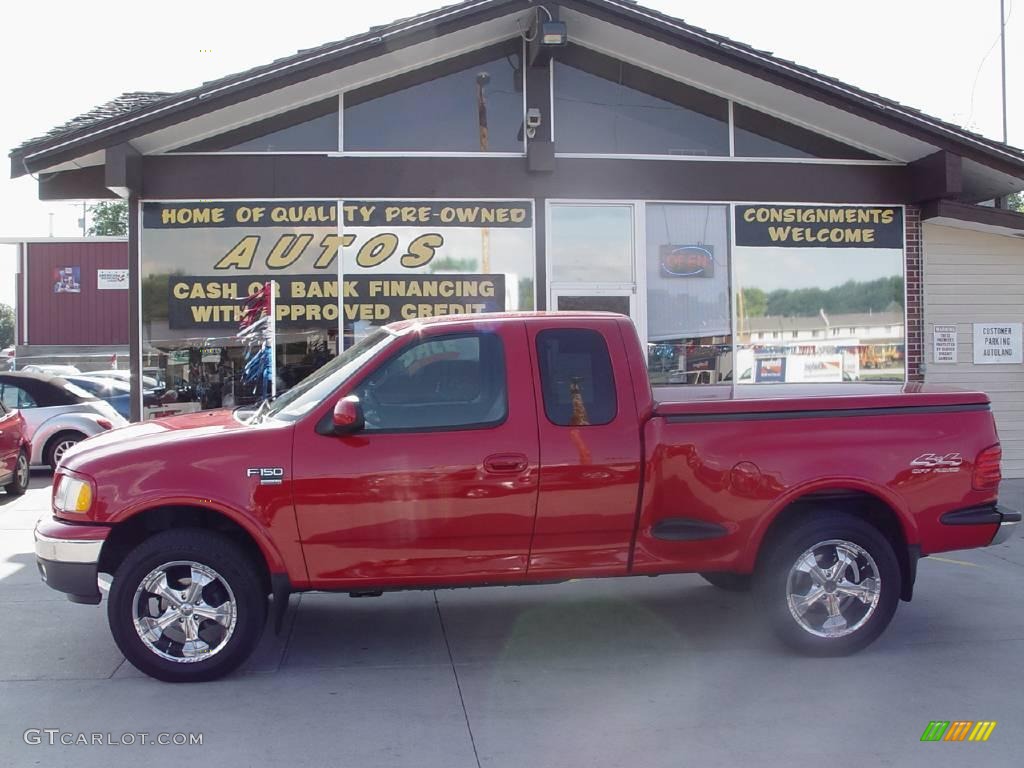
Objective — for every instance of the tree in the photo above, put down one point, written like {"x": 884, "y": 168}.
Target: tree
{"x": 1015, "y": 202}
{"x": 6, "y": 326}
{"x": 109, "y": 219}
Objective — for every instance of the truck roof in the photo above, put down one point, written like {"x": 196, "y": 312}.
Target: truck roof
{"x": 498, "y": 317}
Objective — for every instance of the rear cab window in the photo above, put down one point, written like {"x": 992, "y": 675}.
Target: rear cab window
{"x": 576, "y": 377}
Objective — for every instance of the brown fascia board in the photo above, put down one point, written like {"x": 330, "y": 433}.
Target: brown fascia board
{"x": 978, "y": 214}
{"x": 255, "y": 82}
{"x": 878, "y": 109}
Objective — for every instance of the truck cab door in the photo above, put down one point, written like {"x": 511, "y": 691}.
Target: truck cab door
{"x": 440, "y": 486}
{"x": 590, "y": 451}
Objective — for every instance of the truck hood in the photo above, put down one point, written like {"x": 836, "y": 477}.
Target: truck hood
{"x": 111, "y": 448}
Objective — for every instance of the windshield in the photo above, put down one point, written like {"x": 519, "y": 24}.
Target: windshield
{"x": 311, "y": 391}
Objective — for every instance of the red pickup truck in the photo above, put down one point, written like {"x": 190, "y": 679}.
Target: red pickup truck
{"x": 515, "y": 449}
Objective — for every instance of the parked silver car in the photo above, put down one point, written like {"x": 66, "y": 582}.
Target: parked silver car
{"x": 57, "y": 414}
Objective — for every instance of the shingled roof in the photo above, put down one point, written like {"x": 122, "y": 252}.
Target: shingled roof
{"x": 123, "y": 105}
{"x": 142, "y": 107}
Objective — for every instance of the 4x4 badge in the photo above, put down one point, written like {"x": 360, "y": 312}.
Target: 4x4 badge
{"x": 933, "y": 462}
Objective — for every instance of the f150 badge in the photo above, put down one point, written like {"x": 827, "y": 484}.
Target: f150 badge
{"x": 267, "y": 475}
{"x": 933, "y": 462}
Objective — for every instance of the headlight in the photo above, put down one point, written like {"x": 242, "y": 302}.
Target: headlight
{"x": 72, "y": 495}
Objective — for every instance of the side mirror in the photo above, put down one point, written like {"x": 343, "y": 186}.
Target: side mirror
{"x": 348, "y": 416}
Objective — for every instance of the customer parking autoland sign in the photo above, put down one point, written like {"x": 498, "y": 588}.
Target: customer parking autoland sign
{"x": 998, "y": 343}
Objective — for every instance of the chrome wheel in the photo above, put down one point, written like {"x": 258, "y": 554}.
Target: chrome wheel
{"x": 61, "y": 448}
{"x": 21, "y": 472}
{"x": 833, "y": 588}
{"x": 184, "y": 611}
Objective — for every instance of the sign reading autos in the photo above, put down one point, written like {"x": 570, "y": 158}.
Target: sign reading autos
{"x": 398, "y": 260}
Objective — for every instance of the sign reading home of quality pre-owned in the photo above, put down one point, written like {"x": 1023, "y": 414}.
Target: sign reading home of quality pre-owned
{"x": 996, "y": 343}
{"x": 819, "y": 226}
{"x": 312, "y": 300}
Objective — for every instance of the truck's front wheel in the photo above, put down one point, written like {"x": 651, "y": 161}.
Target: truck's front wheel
{"x": 186, "y": 605}
{"x": 830, "y": 585}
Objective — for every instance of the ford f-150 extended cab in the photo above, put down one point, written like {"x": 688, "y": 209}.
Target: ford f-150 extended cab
{"x": 513, "y": 449}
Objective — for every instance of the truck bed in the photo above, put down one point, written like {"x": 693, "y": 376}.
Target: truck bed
{"x": 769, "y": 398}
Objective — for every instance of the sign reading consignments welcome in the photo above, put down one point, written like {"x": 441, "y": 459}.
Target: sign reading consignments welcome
{"x": 819, "y": 226}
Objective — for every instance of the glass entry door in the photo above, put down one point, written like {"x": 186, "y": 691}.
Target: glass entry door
{"x": 591, "y": 256}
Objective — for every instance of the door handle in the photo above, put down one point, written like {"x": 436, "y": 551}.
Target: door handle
{"x": 506, "y": 463}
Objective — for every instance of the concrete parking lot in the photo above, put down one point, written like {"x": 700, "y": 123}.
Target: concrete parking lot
{"x": 632, "y": 672}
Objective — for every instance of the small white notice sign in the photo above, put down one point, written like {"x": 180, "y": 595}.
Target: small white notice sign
{"x": 944, "y": 344}
{"x": 112, "y": 279}
{"x": 998, "y": 343}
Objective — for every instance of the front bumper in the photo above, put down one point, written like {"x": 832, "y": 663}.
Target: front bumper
{"x": 1006, "y": 519}
{"x": 68, "y": 558}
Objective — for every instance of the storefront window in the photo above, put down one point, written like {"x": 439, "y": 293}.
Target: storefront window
{"x": 311, "y": 128}
{"x": 478, "y": 108}
{"x": 400, "y": 260}
{"x": 688, "y": 315}
{"x": 320, "y": 133}
{"x": 761, "y": 135}
{"x": 819, "y": 294}
{"x": 591, "y": 243}
{"x": 603, "y": 106}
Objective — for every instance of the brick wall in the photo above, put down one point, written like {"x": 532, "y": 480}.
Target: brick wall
{"x": 915, "y": 295}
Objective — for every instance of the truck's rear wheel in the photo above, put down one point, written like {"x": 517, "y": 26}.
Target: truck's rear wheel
{"x": 187, "y": 605}
{"x": 830, "y": 585}
{"x": 730, "y": 582}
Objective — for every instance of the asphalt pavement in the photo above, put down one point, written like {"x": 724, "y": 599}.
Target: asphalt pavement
{"x": 629, "y": 672}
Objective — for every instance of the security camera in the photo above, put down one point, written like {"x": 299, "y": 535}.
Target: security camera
{"x": 533, "y": 121}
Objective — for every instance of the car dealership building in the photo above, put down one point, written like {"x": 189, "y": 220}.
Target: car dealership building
{"x": 761, "y": 222}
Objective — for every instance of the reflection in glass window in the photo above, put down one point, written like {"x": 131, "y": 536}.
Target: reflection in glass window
{"x": 455, "y": 382}
{"x": 688, "y": 315}
{"x": 576, "y": 377}
{"x": 761, "y": 135}
{"x": 320, "y": 133}
{"x": 591, "y": 243}
{"x": 610, "y": 114}
{"x": 477, "y": 109}
{"x": 819, "y": 315}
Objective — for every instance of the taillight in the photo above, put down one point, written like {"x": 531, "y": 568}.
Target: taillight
{"x": 986, "y": 469}
{"x": 104, "y": 423}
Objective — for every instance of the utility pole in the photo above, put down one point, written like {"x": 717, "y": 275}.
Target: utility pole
{"x": 1002, "y": 45}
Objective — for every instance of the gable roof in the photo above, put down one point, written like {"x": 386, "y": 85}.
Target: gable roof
{"x": 138, "y": 113}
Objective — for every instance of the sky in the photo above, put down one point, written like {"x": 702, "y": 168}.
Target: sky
{"x": 62, "y": 58}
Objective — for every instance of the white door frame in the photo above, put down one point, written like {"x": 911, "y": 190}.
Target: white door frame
{"x": 636, "y": 290}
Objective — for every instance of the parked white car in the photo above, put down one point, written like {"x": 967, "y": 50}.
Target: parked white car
{"x": 148, "y": 382}
{"x": 53, "y": 370}
{"x": 57, "y": 414}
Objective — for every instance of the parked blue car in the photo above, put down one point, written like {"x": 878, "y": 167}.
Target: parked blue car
{"x": 117, "y": 393}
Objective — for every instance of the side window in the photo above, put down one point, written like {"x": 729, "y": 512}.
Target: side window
{"x": 576, "y": 377}
{"x": 450, "y": 382}
{"x": 16, "y": 397}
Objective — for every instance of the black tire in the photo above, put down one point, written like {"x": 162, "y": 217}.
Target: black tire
{"x": 868, "y": 620}
{"x": 236, "y": 572}
{"x": 19, "y": 484}
{"x": 730, "y": 582}
{"x": 61, "y": 438}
